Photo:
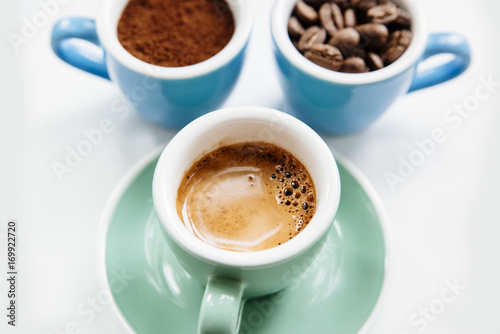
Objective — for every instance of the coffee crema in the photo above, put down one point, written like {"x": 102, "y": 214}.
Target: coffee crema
{"x": 174, "y": 33}
{"x": 246, "y": 197}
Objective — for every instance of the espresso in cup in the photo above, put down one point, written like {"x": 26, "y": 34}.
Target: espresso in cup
{"x": 246, "y": 197}
{"x": 351, "y": 36}
{"x": 174, "y": 33}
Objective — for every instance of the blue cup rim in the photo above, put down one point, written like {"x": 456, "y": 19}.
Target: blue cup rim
{"x": 107, "y": 20}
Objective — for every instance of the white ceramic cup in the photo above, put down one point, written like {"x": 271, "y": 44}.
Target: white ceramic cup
{"x": 232, "y": 277}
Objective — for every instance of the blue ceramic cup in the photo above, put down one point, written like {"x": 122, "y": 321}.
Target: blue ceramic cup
{"x": 343, "y": 103}
{"x": 168, "y": 96}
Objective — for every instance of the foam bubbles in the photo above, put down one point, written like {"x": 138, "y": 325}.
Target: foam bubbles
{"x": 275, "y": 176}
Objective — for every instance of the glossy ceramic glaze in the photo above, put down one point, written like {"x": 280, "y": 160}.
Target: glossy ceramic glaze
{"x": 261, "y": 272}
{"x": 168, "y": 96}
{"x": 244, "y": 274}
{"x": 341, "y": 292}
{"x": 342, "y": 103}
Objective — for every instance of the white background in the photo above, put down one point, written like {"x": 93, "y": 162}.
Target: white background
{"x": 444, "y": 217}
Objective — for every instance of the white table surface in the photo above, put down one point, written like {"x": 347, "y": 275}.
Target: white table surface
{"x": 444, "y": 217}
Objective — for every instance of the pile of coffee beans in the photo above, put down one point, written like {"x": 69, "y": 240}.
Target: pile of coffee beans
{"x": 351, "y": 36}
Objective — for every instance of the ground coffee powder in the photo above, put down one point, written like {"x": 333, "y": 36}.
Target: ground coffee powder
{"x": 175, "y": 33}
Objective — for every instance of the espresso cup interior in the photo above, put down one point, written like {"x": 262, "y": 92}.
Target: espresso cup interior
{"x": 221, "y": 129}
{"x": 251, "y": 131}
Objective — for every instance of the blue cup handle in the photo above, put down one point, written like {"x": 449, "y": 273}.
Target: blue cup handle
{"x": 86, "y": 57}
{"x": 443, "y": 43}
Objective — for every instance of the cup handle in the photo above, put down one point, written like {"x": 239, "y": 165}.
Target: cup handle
{"x": 85, "y": 57}
{"x": 443, "y": 43}
{"x": 221, "y": 307}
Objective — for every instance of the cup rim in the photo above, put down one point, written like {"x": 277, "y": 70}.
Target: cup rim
{"x": 107, "y": 32}
{"x": 174, "y": 227}
{"x": 279, "y": 19}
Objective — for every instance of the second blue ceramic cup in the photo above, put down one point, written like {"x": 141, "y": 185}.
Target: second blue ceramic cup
{"x": 343, "y": 103}
{"x": 168, "y": 96}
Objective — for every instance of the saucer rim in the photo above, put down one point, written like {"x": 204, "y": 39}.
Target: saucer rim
{"x": 105, "y": 222}
{"x": 130, "y": 175}
{"x": 386, "y": 232}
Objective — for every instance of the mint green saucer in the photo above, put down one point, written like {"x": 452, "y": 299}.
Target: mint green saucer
{"x": 341, "y": 293}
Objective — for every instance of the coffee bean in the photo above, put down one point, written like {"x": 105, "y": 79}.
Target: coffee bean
{"x": 350, "y": 18}
{"x": 374, "y": 61}
{"x": 326, "y": 56}
{"x": 295, "y": 29}
{"x": 343, "y": 4}
{"x": 404, "y": 37}
{"x": 354, "y": 65}
{"x": 399, "y": 41}
{"x": 363, "y": 35}
{"x": 393, "y": 54}
{"x": 345, "y": 36}
{"x": 331, "y": 18}
{"x": 338, "y": 17}
{"x": 403, "y": 21}
{"x": 373, "y": 35}
{"x": 385, "y": 13}
{"x": 305, "y": 13}
{"x": 345, "y": 40}
{"x": 313, "y": 35}
{"x": 315, "y": 3}
{"x": 363, "y": 4}
{"x": 355, "y": 52}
